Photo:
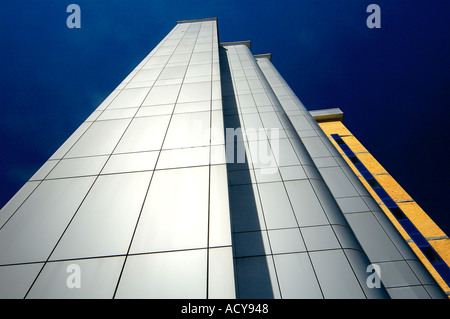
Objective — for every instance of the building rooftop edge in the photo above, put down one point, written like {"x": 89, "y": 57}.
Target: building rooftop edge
{"x": 264, "y": 55}
{"x": 324, "y": 115}
{"x": 197, "y": 20}
{"x": 248, "y": 43}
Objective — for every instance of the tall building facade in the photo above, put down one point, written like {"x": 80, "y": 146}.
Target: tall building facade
{"x": 202, "y": 175}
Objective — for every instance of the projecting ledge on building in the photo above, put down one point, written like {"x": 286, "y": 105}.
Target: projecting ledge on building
{"x": 264, "y": 55}
{"x": 324, "y": 115}
{"x": 197, "y": 20}
{"x": 248, "y": 43}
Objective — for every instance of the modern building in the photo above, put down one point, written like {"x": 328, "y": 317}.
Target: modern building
{"x": 202, "y": 175}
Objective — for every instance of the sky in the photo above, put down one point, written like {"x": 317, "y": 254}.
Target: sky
{"x": 392, "y": 83}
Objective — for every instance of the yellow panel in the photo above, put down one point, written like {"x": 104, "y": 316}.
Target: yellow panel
{"x": 421, "y": 220}
{"x": 335, "y": 127}
{"x": 371, "y": 163}
{"x": 394, "y": 189}
{"x": 354, "y": 144}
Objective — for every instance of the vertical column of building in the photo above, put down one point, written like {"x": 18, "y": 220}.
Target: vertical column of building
{"x": 290, "y": 239}
{"x": 135, "y": 202}
{"x": 376, "y": 234}
{"x": 185, "y": 211}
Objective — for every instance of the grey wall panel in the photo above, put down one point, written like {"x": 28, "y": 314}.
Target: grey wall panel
{"x": 180, "y": 274}
{"x": 17, "y": 279}
{"x": 18, "y": 199}
{"x": 98, "y": 279}
{"x": 32, "y": 232}
{"x": 111, "y": 209}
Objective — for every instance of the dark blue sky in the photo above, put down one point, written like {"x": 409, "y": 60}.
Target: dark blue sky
{"x": 392, "y": 83}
